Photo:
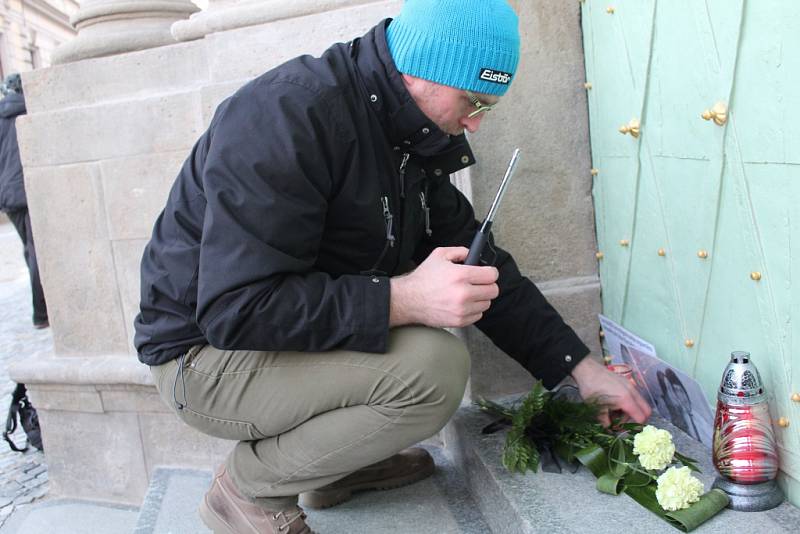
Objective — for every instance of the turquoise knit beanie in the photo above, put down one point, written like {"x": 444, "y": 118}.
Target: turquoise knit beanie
{"x": 468, "y": 44}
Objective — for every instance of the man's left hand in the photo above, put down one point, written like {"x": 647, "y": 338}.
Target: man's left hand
{"x": 613, "y": 392}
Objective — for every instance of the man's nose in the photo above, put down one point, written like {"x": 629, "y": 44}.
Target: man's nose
{"x": 472, "y": 124}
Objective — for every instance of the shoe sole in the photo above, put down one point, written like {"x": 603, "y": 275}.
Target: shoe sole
{"x": 212, "y": 520}
{"x": 319, "y": 501}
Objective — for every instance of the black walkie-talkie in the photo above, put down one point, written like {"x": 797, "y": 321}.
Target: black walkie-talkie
{"x": 479, "y": 241}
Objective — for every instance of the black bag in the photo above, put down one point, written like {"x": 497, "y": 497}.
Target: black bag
{"x": 22, "y": 407}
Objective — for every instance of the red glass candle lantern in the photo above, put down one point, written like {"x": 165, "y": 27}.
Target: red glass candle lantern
{"x": 744, "y": 449}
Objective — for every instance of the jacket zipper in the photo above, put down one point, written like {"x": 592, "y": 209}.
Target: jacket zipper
{"x": 427, "y": 211}
{"x": 388, "y": 220}
{"x": 403, "y": 164}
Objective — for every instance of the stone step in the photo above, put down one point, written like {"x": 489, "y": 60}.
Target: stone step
{"x": 569, "y": 503}
{"x": 440, "y": 504}
{"x": 170, "y": 504}
{"x": 71, "y": 516}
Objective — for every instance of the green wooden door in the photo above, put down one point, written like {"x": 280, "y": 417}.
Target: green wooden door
{"x": 698, "y": 223}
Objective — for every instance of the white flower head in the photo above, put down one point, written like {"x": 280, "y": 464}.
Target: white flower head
{"x": 677, "y": 489}
{"x": 654, "y": 447}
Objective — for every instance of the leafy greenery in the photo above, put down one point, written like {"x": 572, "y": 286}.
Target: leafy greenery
{"x": 544, "y": 423}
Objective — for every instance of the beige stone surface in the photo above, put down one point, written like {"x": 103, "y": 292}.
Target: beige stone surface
{"x": 94, "y": 455}
{"x": 162, "y": 123}
{"x": 248, "y": 52}
{"x": 107, "y": 27}
{"x": 83, "y": 298}
{"x": 66, "y": 397}
{"x": 578, "y": 301}
{"x": 547, "y": 217}
{"x": 231, "y": 14}
{"x": 31, "y": 31}
{"x": 47, "y": 370}
{"x": 127, "y": 259}
{"x": 54, "y": 191}
{"x": 131, "y": 398}
{"x": 212, "y": 95}
{"x": 133, "y": 76}
{"x": 168, "y": 441}
{"x": 135, "y": 190}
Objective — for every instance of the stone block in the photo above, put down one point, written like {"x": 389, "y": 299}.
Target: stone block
{"x": 131, "y": 398}
{"x": 134, "y": 75}
{"x": 53, "y": 192}
{"x": 66, "y": 398}
{"x": 79, "y": 278}
{"x": 213, "y": 95}
{"x": 135, "y": 191}
{"x": 127, "y": 260}
{"x": 75, "y": 260}
{"x": 167, "y": 441}
{"x": 160, "y": 123}
{"x": 578, "y": 302}
{"x": 94, "y": 455}
{"x": 271, "y": 44}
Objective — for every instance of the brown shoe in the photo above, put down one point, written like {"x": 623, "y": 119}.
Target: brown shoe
{"x": 226, "y": 511}
{"x": 406, "y": 467}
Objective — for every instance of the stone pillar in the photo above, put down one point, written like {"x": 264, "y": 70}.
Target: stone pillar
{"x": 107, "y": 27}
{"x": 223, "y": 15}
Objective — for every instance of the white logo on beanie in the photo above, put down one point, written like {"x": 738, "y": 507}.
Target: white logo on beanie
{"x": 495, "y": 76}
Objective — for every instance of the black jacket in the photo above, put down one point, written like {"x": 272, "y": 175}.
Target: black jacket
{"x": 12, "y": 186}
{"x": 313, "y": 184}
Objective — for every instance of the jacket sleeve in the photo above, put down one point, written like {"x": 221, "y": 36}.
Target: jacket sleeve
{"x": 267, "y": 176}
{"x": 520, "y": 321}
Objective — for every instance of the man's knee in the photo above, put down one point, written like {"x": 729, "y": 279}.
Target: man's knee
{"x": 437, "y": 365}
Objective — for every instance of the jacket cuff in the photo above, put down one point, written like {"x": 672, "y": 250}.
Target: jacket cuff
{"x": 374, "y": 336}
{"x": 560, "y": 361}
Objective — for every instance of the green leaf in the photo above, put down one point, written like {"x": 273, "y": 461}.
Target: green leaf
{"x": 709, "y": 505}
{"x": 637, "y": 478}
{"x": 519, "y": 455}
{"x": 594, "y": 458}
{"x": 633, "y": 428}
{"x": 494, "y": 408}
{"x": 617, "y": 461}
{"x": 688, "y": 462}
{"x": 610, "y": 484}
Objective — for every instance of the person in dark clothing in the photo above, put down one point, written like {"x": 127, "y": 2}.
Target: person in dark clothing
{"x": 12, "y": 188}
{"x": 296, "y": 285}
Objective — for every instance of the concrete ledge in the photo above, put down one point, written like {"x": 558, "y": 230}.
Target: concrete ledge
{"x": 94, "y": 370}
{"x": 558, "y": 503}
{"x": 238, "y": 15}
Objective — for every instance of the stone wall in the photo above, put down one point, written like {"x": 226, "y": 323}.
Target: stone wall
{"x": 105, "y": 137}
{"x": 30, "y": 30}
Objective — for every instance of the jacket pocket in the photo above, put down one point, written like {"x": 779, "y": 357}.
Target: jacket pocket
{"x": 218, "y": 427}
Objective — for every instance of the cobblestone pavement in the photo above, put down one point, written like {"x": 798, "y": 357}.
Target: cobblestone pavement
{"x": 23, "y": 476}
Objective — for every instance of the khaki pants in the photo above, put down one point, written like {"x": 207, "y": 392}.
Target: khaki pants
{"x": 306, "y": 419}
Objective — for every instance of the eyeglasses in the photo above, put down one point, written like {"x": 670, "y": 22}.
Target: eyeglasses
{"x": 480, "y": 107}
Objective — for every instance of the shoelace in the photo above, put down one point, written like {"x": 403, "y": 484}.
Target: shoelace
{"x": 288, "y": 520}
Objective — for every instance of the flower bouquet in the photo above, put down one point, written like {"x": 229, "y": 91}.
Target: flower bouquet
{"x": 630, "y": 458}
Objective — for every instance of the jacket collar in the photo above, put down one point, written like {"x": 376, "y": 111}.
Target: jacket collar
{"x": 406, "y": 126}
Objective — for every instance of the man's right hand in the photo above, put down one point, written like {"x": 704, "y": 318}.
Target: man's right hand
{"x": 442, "y": 292}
